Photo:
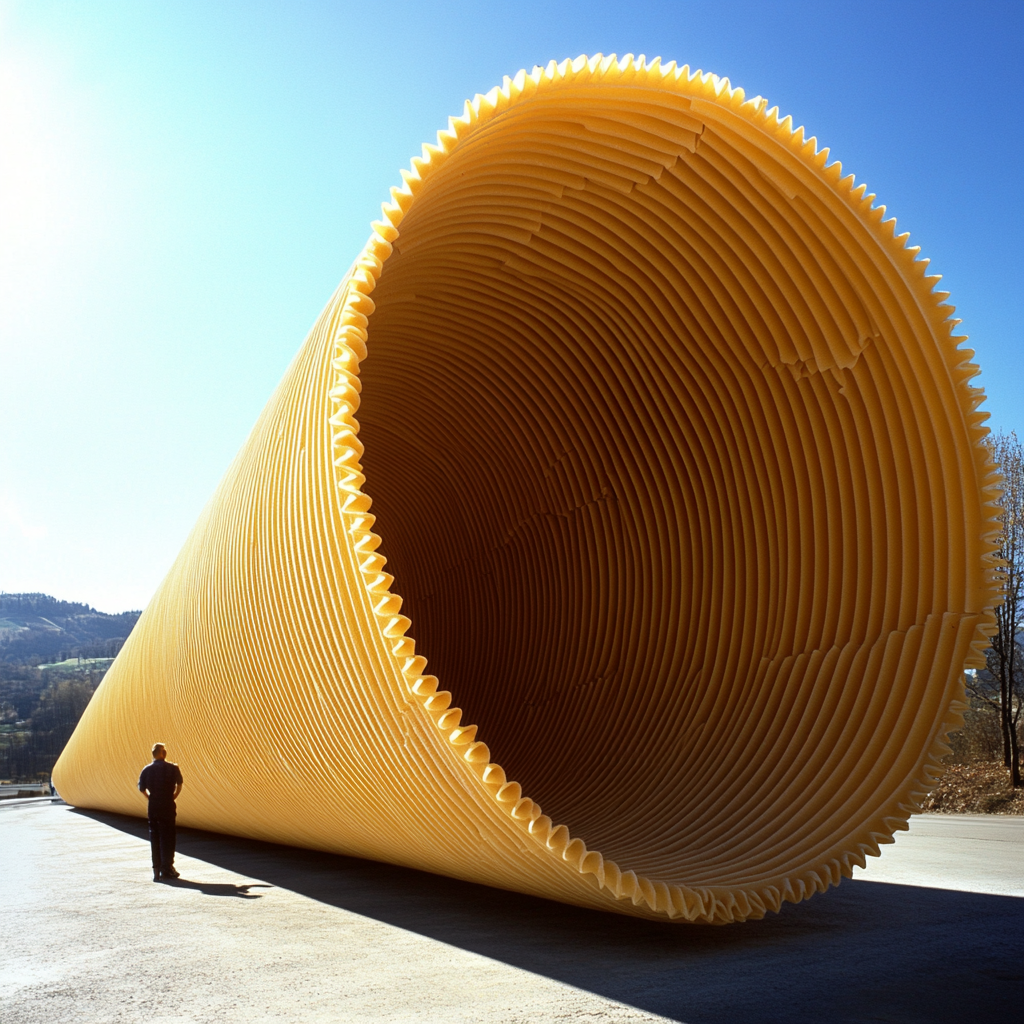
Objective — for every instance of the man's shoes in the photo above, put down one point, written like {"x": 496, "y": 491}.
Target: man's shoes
{"x": 172, "y": 874}
{"x": 156, "y": 875}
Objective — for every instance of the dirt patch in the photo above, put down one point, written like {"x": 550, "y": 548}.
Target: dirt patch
{"x": 981, "y": 787}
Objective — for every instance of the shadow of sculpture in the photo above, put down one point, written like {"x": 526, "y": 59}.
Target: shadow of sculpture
{"x": 863, "y": 952}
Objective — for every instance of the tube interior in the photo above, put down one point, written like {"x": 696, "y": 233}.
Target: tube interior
{"x": 625, "y": 430}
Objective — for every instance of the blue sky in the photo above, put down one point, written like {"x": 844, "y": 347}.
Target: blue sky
{"x": 183, "y": 184}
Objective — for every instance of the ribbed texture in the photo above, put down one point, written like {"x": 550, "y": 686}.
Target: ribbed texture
{"x": 677, "y": 467}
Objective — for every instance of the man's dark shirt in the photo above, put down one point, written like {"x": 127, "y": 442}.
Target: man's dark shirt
{"x": 160, "y": 778}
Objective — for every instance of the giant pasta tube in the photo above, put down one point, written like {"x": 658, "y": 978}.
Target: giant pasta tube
{"x": 677, "y": 469}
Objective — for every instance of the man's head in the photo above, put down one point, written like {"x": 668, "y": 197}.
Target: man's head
{"x": 159, "y": 751}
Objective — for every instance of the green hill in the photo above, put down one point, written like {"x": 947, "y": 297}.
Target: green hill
{"x": 53, "y": 655}
{"x": 38, "y": 629}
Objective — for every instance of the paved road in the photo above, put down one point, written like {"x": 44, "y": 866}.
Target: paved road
{"x": 932, "y": 933}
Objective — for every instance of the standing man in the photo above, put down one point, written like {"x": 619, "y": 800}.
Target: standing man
{"x": 161, "y": 781}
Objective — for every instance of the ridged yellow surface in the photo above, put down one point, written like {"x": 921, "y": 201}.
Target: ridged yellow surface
{"x": 677, "y": 466}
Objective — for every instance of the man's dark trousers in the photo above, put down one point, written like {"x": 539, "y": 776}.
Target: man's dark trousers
{"x": 161, "y": 840}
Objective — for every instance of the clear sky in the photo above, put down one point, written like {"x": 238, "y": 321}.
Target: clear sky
{"x": 182, "y": 184}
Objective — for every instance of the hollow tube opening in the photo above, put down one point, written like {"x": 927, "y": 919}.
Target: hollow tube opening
{"x": 649, "y": 440}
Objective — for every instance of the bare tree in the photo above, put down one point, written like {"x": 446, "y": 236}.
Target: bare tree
{"x": 1002, "y": 685}
{"x": 60, "y": 707}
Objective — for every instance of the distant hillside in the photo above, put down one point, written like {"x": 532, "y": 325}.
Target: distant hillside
{"x": 39, "y": 707}
{"x": 37, "y": 628}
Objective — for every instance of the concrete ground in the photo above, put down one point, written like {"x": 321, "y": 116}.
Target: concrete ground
{"x": 931, "y": 933}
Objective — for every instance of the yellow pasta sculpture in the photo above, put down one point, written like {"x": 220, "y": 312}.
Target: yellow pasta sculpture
{"x": 677, "y": 480}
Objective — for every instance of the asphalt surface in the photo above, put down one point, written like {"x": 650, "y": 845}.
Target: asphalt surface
{"x": 933, "y": 932}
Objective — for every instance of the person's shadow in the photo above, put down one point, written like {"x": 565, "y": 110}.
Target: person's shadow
{"x": 219, "y": 888}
